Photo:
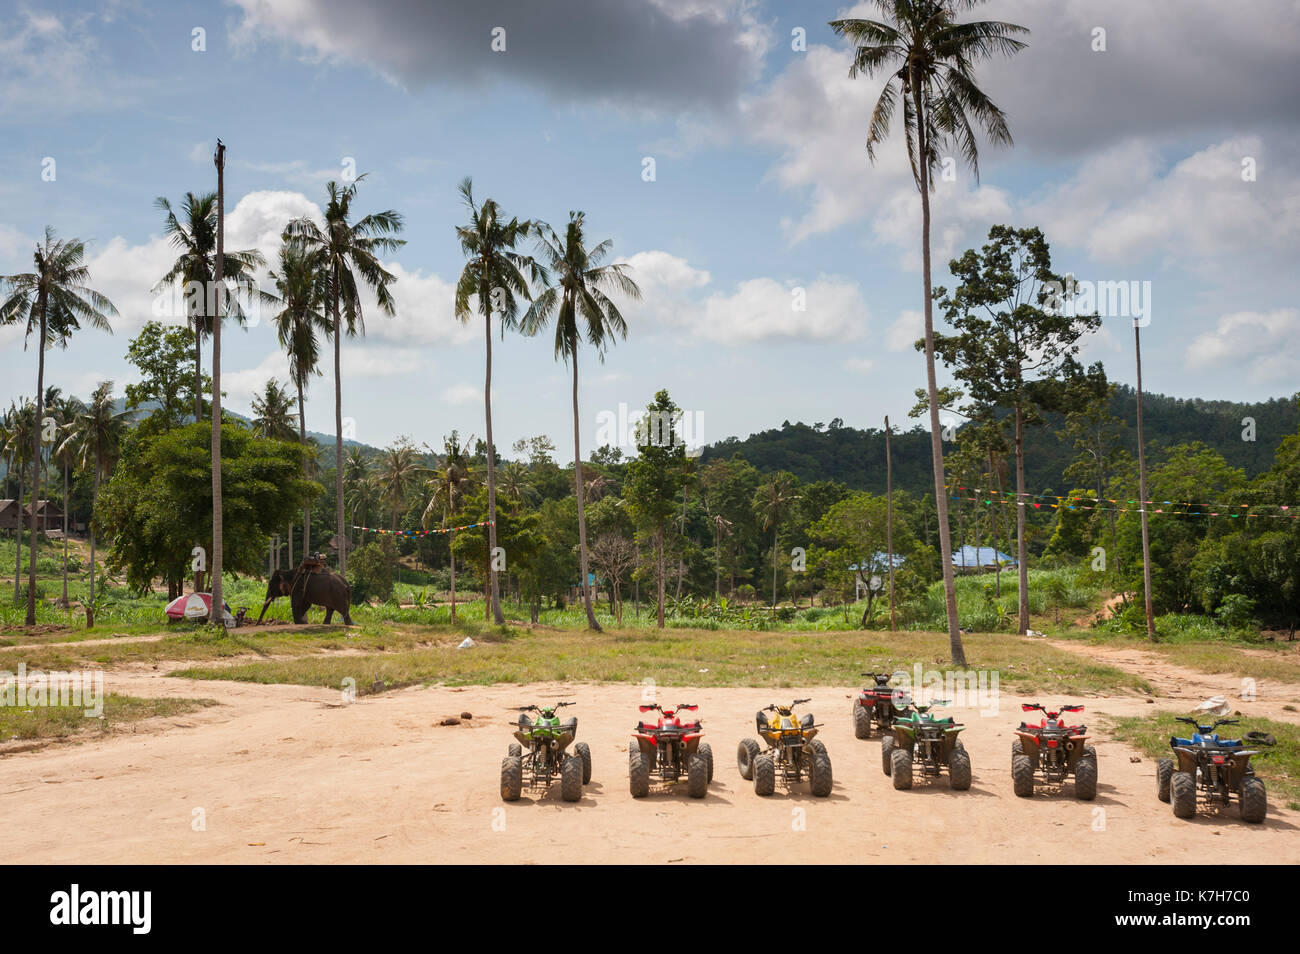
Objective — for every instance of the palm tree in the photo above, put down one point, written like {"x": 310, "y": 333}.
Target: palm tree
{"x": 579, "y": 299}
{"x": 53, "y": 300}
{"x": 98, "y": 434}
{"x": 773, "y": 502}
{"x": 20, "y": 423}
{"x": 345, "y": 252}
{"x": 302, "y": 296}
{"x": 919, "y": 44}
{"x": 65, "y": 414}
{"x": 273, "y": 412}
{"x": 516, "y": 482}
{"x": 494, "y": 274}
{"x": 400, "y": 472}
{"x": 451, "y": 480}
{"x": 194, "y": 234}
{"x": 359, "y": 487}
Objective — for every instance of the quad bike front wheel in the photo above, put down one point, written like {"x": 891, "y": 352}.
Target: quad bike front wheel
{"x": 1252, "y": 800}
{"x": 512, "y": 778}
{"x": 584, "y": 753}
{"x": 638, "y": 772}
{"x": 764, "y": 772}
{"x": 1085, "y": 777}
{"x": 820, "y": 780}
{"x": 1022, "y": 775}
{"x": 571, "y": 778}
{"x": 861, "y": 721}
{"x": 959, "y": 771}
{"x": 1182, "y": 792}
{"x": 745, "y": 755}
{"x": 886, "y": 747}
{"x": 706, "y": 752}
{"x": 697, "y": 776}
{"x": 1164, "y": 770}
{"x": 900, "y": 764}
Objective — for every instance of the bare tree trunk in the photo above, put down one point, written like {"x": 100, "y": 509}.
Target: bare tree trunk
{"x": 306, "y": 508}
{"x": 90, "y": 609}
{"x": 494, "y": 599}
{"x": 1022, "y": 545}
{"x": 198, "y": 364}
{"x": 451, "y": 540}
{"x": 889, "y": 524}
{"x": 1142, "y": 492}
{"x": 340, "y": 532}
{"x": 936, "y": 435}
{"x": 65, "y": 536}
{"x": 36, "y": 468}
{"x": 775, "y": 533}
{"x": 659, "y": 546}
{"x": 217, "y": 614}
{"x": 582, "y": 516}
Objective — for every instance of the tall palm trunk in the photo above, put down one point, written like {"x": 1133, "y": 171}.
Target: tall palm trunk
{"x": 217, "y": 613}
{"x": 451, "y": 542}
{"x": 306, "y": 507}
{"x": 18, "y": 535}
{"x": 936, "y": 435}
{"x": 1142, "y": 492}
{"x": 659, "y": 548}
{"x": 90, "y": 525}
{"x": 1022, "y": 545}
{"x": 36, "y": 465}
{"x": 582, "y": 515}
{"x": 889, "y": 523}
{"x": 340, "y": 535}
{"x": 198, "y": 367}
{"x": 774, "y": 540}
{"x": 493, "y": 594}
{"x": 65, "y": 535}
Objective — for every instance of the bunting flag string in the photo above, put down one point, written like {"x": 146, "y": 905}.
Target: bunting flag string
{"x": 1195, "y": 509}
{"x": 1066, "y": 504}
{"x": 423, "y": 533}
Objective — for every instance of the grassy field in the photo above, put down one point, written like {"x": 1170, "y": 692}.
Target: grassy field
{"x": 1278, "y": 766}
{"x": 57, "y": 722}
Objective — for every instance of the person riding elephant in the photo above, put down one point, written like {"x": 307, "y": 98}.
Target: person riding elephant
{"x": 311, "y": 584}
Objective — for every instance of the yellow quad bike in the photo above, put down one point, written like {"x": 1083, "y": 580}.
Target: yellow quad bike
{"x": 790, "y": 749}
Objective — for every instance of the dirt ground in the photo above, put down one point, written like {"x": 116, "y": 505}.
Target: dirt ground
{"x": 285, "y": 774}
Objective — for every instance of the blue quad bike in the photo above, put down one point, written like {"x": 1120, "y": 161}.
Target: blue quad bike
{"x": 1214, "y": 767}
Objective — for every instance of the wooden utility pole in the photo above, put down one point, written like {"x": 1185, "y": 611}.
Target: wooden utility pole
{"x": 1142, "y": 489}
{"x": 216, "y": 613}
{"x": 889, "y": 523}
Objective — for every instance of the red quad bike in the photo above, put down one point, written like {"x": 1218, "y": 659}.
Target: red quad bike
{"x": 878, "y": 705}
{"x": 1051, "y": 751}
{"x": 670, "y": 749}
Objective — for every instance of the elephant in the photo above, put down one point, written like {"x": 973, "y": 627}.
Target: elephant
{"x": 306, "y": 588}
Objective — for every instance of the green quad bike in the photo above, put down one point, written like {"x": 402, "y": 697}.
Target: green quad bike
{"x": 917, "y": 736}
{"x": 540, "y": 755}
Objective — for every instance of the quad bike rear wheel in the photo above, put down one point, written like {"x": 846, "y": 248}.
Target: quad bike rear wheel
{"x": 584, "y": 753}
{"x": 764, "y": 771}
{"x": 697, "y": 776}
{"x": 959, "y": 772}
{"x": 1085, "y": 777}
{"x": 1164, "y": 769}
{"x": 820, "y": 780}
{"x": 512, "y": 778}
{"x": 514, "y": 748}
{"x": 1022, "y": 775}
{"x": 571, "y": 778}
{"x": 706, "y": 752}
{"x": 638, "y": 771}
{"x": 745, "y": 755}
{"x": 1182, "y": 792}
{"x": 1252, "y": 800}
{"x": 861, "y": 721}
{"x": 886, "y": 747}
{"x": 900, "y": 764}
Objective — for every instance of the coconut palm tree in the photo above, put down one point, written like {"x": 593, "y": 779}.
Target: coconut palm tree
{"x": 359, "y": 487}
{"x": 346, "y": 254}
{"x": 494, "y": 276}
{"x": 773, "y": 502}
{"x": 273, "y": 412}
{"x": 400, "y": 472}
{"x": 579, "y": 300}
{"x": 302, "y": 294}
{"x": 451, "y": 481}
{"x": 19, "y": 426}
{"x": 927, "y": 58}
{"x": 52, "y": 300}
{"x": 98, "y": 433}
{"x": 516, "y": 482}
{"x": 194, "y": 234}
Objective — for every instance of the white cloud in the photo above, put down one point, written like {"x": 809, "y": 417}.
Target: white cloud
{"x": 239, "y": 386}
{"x": 859, "y": 365}
{"x": 905, "y": 330}
{"x": 1251, "y": 345}
{"x": 462, "y": 394}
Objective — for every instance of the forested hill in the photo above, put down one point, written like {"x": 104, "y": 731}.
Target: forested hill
{"x": 857, "y": 457}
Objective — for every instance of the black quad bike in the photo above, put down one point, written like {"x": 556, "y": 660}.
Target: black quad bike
{"x": 1219, "y": 768}
{"x": 540, "y": 755}
{"x": 790, "y": 750}
{"x": 1052, "y": 751}
{"x": 877, "y": 706}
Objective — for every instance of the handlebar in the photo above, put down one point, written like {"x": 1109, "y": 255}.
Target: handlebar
{"x": 558, "y": 705}
{"x": 1199, "y": 726}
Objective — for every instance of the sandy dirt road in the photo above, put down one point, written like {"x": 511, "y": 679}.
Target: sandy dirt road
{"x": 289, "y": 774}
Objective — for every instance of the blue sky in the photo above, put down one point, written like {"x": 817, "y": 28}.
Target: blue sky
{"x": 1129, "y": 157}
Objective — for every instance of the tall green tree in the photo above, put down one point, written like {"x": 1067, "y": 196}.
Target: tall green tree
{"x": 52, "y": 300}
{"x": 160, "y": 353}
{"x": 579, "y": 299}
{"x": 193, "y": 233}
{"x": 928, "y": 59}
{"x": 654, "y": 479}
{"x": 347, "y": 255}
{"x": 494, "y": 279}
{"x": 1015, "y": 346}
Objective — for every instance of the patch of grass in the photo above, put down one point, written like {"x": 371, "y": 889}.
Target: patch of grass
{"x": 684, "y": 657}
{"x": 1278, "y": 765}
{"x": 57, "y": 722}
